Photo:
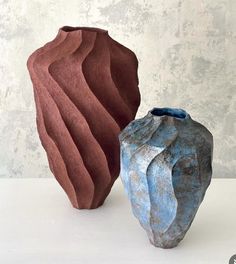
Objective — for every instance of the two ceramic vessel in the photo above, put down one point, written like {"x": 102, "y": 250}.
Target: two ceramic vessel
{"x": 86, "y": 92}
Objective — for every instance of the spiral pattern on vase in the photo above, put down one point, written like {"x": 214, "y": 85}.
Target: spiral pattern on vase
{"x": 86, "y": 91}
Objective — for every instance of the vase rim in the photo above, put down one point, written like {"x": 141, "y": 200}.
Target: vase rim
{"x": 69, "y": 29}
{"x": 170, "y": 112}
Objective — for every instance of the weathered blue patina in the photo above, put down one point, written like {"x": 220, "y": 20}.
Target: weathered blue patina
{"x": 166, "y": 168}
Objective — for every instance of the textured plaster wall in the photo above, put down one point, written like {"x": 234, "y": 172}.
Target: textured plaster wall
{"x": 187, "y": 55}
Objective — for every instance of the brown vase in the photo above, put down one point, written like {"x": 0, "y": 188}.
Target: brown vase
{"x": 86, "y": 91}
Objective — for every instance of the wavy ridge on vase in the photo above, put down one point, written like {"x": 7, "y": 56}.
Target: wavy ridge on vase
{"x": 166, "y": 169}
{"x": 81, "y": 109}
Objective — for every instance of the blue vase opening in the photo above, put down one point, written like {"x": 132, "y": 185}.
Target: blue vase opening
{"x": 174, "y": 112}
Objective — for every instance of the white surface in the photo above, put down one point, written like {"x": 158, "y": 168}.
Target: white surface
{"x": 38, "y": 225}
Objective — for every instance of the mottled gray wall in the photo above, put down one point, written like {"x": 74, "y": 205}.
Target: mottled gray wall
{"x": 187, "y": 55}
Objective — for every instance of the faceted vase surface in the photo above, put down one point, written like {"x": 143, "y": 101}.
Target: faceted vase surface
{"x": 166, "y": 167}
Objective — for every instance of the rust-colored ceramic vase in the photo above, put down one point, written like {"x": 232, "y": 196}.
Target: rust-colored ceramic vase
{"x": 86, "y": 91}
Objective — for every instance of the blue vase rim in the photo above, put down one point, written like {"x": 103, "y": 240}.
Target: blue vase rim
{"x": 170, "y": 112}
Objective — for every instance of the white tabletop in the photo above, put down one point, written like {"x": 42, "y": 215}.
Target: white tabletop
{"x": 38, "y": 225}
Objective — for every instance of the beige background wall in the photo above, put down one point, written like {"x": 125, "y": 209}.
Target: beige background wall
{"x": 187, "y": 55}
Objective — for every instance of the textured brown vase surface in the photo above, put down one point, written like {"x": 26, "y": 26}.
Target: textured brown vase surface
{"x": 86, "y": 91}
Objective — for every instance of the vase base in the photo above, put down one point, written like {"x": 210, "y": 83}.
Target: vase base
{"x": 166, "y": 245}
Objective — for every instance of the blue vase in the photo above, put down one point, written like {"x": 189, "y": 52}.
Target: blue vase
{"x": 166, "y": 167}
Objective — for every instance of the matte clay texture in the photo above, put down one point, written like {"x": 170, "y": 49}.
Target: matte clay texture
{"x": 86, "y": 91}
{"x": 166, "y": 169}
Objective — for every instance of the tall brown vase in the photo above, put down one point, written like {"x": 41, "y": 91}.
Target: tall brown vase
{"x": 86, "y": 91}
